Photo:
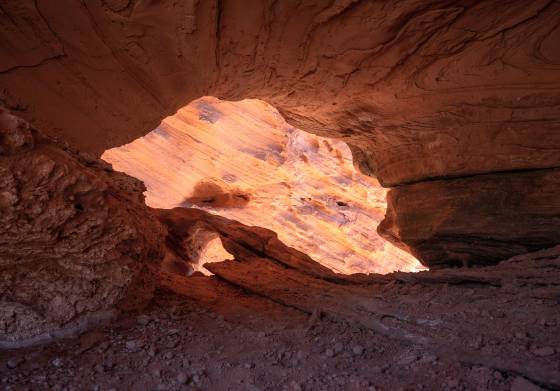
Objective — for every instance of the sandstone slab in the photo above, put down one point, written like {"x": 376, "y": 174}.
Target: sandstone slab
{"x": 478, "y": 220}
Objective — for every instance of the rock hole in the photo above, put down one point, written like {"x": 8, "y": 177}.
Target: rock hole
{"x": 241, "y": 160}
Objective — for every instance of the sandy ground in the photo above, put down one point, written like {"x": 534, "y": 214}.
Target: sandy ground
{"x": 217, "y": 337}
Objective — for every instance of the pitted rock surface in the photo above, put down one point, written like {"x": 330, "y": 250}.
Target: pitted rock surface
{"x": 77, "y": 242}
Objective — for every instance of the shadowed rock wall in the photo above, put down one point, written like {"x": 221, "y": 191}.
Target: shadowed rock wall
{"x": 476, "y": 220}
{"x": 77, "y": 242}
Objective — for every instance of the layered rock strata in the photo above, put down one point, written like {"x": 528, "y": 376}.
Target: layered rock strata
{"x": 451, "y": 300}
{"x": 242, "y": 161}
{"x": 241, "y": 241}
{"x": 421, "y": 90}
{"x": 477, "y": 220}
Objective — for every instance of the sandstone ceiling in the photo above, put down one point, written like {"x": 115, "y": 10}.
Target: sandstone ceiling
{"x": 426, "y": 93}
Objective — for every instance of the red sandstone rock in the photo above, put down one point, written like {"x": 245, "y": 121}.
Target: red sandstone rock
{"x": 479, "y": 220}
{"x": 242, "y": 161}
{"x": 424, "y": 88}
{"x": 421, "y": 89}
{"x": 242, "y": 241}
{"x": 77, "y": 242}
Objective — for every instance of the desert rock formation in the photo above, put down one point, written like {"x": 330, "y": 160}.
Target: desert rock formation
{"x": 478, "y": 220}
{"x": 421, "y": 90}
{"x": 242, "y": 161}
{"x": 77, "y": 242}
{"x": 453, "y": 106}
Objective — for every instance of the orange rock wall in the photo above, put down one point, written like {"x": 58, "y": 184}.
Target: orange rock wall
{"x": 241, "y": 160}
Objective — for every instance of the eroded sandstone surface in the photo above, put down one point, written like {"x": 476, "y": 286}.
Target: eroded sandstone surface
{"x": 77, "y": 242}
{"x": 241, "y": 160}
{"x": 241, "y": 241}
{"x": 420, "y": 90}
{"x": 478, "y": 220}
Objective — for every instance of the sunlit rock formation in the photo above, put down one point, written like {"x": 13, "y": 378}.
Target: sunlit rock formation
{"x": 242, "y": 243}
{"x": 77, "y": 242}
{"x": 242, "y": 161}
{"x": 199, "y": 244}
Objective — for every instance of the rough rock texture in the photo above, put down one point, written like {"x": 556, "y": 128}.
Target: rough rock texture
{"x": 443, "y": 331}
{"x": 272, "y": 319}
{"x": 211, "y": 335}
{"x": 439, "y": 313}
{"x": 477, "y": 220}
{"x": 242, "y": 161}
{"x": 77, "y": 242}
{"x": 420, "y": 89}
{"x": 241, "y": 241}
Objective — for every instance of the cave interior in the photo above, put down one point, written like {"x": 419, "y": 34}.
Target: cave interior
{"x": 280, "y": 195}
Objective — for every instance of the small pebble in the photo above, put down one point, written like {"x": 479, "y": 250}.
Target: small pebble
{"x": 172, "y": 344}
{"x": 143, "y": 320}
{"x": 168, "y": 355}
{"x": 543, "y": 352}
{"x": 134, "y": 345}
{"x": 358, "y": 350}
{"x": 338, "y": 347}
{"x": 182, "y": 378}
{"x": 12, "y": 364}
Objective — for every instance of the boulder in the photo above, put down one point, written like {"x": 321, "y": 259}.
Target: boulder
{"x": 77, "y": 243}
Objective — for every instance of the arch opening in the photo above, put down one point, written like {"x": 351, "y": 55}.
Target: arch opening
{"x": 241, "y": 160}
